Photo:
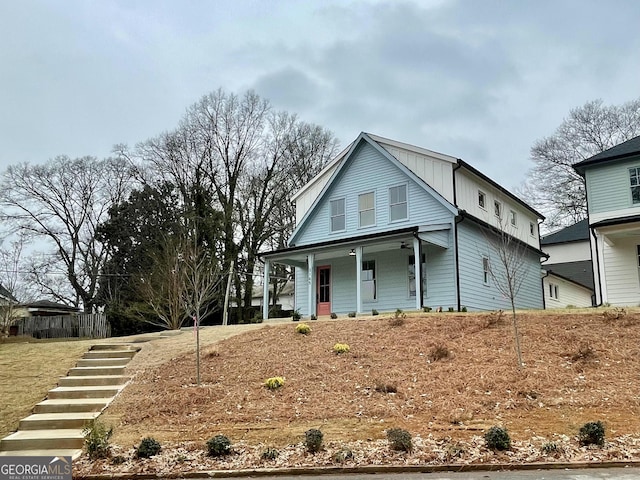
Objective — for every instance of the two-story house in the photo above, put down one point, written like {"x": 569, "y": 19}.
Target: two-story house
{"x": 388, "y": 225}
{"x": 613, "y": 197}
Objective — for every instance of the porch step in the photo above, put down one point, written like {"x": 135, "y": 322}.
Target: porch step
{"x": 43, "y": 439}
{"x": 85, "y": 392}
{"x": 114, "y": 346}
{"x": 68, "y": 405}
{"x": 93, "y": 381}
{"x": 99, "y": 370}
{"x": 45, "y": 421}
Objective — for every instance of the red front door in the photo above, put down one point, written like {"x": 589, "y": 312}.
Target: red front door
{"x": 323, "y": 290}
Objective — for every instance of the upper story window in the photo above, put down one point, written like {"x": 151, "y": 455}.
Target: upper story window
{"x": 338, "y": 217}
{"x": 482, "y": 200}
{"x": 398, "y": 203}
{"x": 497, "y": 209}
{"x": 634, "y": 180}
{"x": 367, "y": 209}
{"x": 532, "y": 229}
{"x": 513, "y": 218}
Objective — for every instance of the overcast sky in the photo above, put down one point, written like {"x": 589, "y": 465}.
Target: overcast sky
{"x": 479, "y": 80}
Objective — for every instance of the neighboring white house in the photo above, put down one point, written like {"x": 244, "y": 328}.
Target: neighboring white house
{"x": 285, "y": 298}
{"x": 613, "y": 198}
{"x": 569, "y": 271}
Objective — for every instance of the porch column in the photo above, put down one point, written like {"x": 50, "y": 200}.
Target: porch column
{"x": 311, "y": 278}
{"x": 418, "y": 271}
{"x": 601, "y": 267}
{"x": 265, "y": 290}
{"x": 358, "y": 279}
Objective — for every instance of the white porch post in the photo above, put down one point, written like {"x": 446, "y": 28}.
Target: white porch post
{"x": 601, "y": 267}
{"x": 311, "y": 277}
{"x": 418, "y": 271}
{"x": 265, "y": 290}
{"x": 358, "y": 279}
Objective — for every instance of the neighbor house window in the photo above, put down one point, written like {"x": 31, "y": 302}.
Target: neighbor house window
{"x": 368, "y": 278}
{"x": 532, "y": 230}
{"x": 497, "y": 209}
{"x": 513, "y": 218}
{"x": 338, "y": 222}
{"x": 634, "y": 180}
{"x": 486, "y": 268}
{"x": 366, "y": 209}
{"x": 553, "y": 291}
{"x": 482, "y": 200}
{"x": 398, "y": 203}
{"x": 412, "y": 275}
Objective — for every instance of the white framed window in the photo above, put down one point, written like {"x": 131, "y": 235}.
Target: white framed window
{"x": 368, "y": 279}
{"x": 398, "y": 203}
{"x": 366, "y": 209}
{"x": 634, "y": 181}
{"x": 338, "y": 217}
{"x": 513, "y": 218}
{"x": 486, "y": 268}
{"x": 482, "y": 200}
{"x": 553, "y": 291}
{"x": 412, "y": 275}
{"x": 532, "y": 229}
{"x": 497, "y": 208}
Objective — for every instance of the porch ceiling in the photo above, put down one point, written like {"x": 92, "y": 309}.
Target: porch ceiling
{"x": 614, "y": 233}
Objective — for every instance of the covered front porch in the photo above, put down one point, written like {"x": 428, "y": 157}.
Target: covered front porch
{"x": 378, "y": 272}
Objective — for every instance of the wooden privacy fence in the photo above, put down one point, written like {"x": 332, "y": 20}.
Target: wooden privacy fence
{"x": 92, "y": 325}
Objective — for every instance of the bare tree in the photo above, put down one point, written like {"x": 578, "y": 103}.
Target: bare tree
{"x": 552, "y": 184}
{"x": 13, "y": 289}
{"x": 62, "y": 202}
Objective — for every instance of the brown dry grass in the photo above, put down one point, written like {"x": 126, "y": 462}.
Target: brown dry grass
{"x": 477, "y": 386}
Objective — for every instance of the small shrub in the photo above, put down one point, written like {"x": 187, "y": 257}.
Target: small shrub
{"x": 450, "y": 309}
{"x": 398, "y": 318}
{"x": 551, "y": 448}
{"x": 257, "y": 318}
{"x": 148, "y": 448}
{"x": 494, "y": 318}
{"x": 351, "y": 314}
{"x": 585, "y": 353}
{"x": 96, "y": 440}
{"x": 591, "y": 433}
{"x": 295, "y": 316}
{"x": 212, "y": 354}
{"x": 439, "y": 309}
{"x": 384, "y": 387}
{"x": 399, "y": 440}
{"x": 269, "y": 454}
{"x": 463, "y": 309}
{"x": 218, "y": 446}
{"x": 439, "y": 352}
{"x": 497, "y": 438}
{"x": 342, "y": 455}
{"x": 334, "y": 315}
{"x": 118, "y": 460}
{"x": 303, "y": 328}
{"x": 274, "y": 383}
{"x": 313, "y": 440}
{"x": 314, "y": 317}
{"x": 426, "y": 309}
{"x": 455, "y": 450}
{"x": 374, "y": 312}
{"x": 615, "y": 314}
{"x": 341, "y": 348}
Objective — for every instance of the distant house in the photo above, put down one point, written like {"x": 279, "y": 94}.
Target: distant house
{"x": 388, "y": 225}
{"x": 285, "y": 297}
{"x": 6, "y": 296}
{"x": 613, "y": 196}
{"x": 46, "y": 308}
{"x": 568, "y": 280}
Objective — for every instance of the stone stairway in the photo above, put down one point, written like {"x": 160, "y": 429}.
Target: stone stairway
{"x": 55, "y": 427}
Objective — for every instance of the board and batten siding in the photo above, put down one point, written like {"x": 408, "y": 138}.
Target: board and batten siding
{"x": 474, "y": 294}
{"x": 467, "y": 187}
{"x": 567, "y": 252}
{"x": 609, "y": 190}
{"x": 621, "y": 272}
{"x": 369, "y": 171}
{"x": 306, "y": 199}
{"x": 569, "y": 294}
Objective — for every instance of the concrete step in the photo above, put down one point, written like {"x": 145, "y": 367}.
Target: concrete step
{"x": 103, "y": 362}
{"x": 43, "y": 439}
{"x": 85, "y": 392}
{"x": 109, "y": 354}
{"x": 74, "y": 453}
{"x": 94, "y": 371}
{"x": 92, "y": 381}
{"x": 114, "y": 346}
{"x": 47, "y": 421}
{"x": 70, "y": 405}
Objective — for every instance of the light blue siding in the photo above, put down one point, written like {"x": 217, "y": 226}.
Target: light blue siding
{"x": 608, "y": 186}
{"x": 369, "y": 171}
{"x": 474, "y": 294}
{"x": 441, "y": 277}
{"x": 301, "y": 297}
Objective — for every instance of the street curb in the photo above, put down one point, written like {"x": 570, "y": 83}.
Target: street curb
{"x": 380, "y": 469}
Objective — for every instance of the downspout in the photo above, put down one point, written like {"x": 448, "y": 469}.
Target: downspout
{"x": 459, "y": 218}
{"x": 595, "y": 241}
{"x": 544, "y": 302}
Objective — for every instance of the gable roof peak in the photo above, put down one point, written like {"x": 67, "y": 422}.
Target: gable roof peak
{"x": 622, "y": 150}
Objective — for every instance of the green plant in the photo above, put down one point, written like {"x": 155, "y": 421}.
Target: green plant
{"x": 218, "y": 446}
{"x": 450, "y": 309}
{"x": 551, "y": 448}
{"x": 591, "y": 433}
{"x": 303, "y": 328}
{"x": 334, "y": 315}
{"x": 398, "y": 318}
{"x": 374, "y": 312}
{"x": 313, "y": 317}
{"x": 426, "y": 309}
{"x": 313, "y": 440}
{"x": 341, "y": 348}
{"x": 497, "y": 438}
{"x": 438, "y": 352}
{"x": 295, "y": 316}
{"x": 343, "y": 455}
{"x": 257, "y": 318}
{"x": 148, "y": 448}
{"x": 463, "y": 309}
{"x": 269, "y": 454}
{"x": 399, "y": 440}
{"x": 118, "y": 460}
{"x": 351, "y": 314}
{"x": 96, "y": 439}
{"x": 274, "y": 383}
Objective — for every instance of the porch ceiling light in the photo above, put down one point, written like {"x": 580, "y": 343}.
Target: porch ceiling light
{"x": 403, "y": 245}
{"x": 352, "y": 253}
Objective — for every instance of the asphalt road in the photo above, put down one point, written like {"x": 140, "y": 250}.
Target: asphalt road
{"x": 583, "y": 474}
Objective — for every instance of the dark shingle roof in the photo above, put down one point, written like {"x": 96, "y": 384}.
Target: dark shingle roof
{"x": 573, "y": 233}
{"x": 578, "y": 272}
{"x": 4, "y": 293}
{"x": 625, "y": 149}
